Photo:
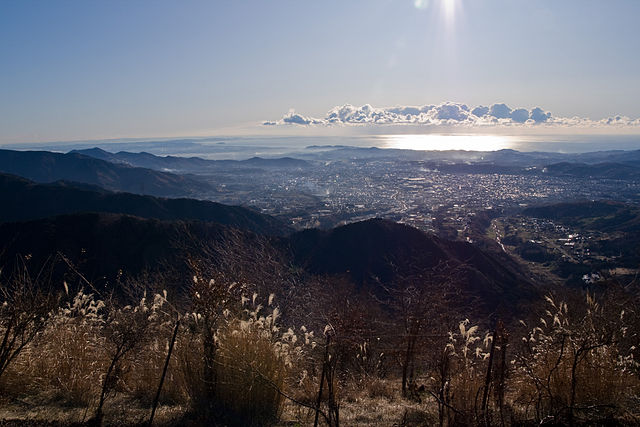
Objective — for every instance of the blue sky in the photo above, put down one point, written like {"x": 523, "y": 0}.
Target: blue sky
{"x": 108, "y": 69}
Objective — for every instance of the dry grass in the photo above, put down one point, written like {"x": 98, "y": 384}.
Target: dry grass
{"x": 574, "y": 363}
{"x": 378, "y": 402}
{"x": 58, "y": 376}
{"x": 118, "y": 412}
{"x": 379, "y": 388}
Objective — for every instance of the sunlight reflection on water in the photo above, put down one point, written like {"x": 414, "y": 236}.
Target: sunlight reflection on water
{"x": 449, "y": 142}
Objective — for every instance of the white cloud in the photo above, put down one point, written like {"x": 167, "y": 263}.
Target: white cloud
{"x": 500, "y": 111}
{"x": 539, "y": 116}
{"x": 447, "y": 114}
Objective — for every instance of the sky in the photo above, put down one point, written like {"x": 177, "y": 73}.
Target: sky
{"x": 89, "y": 69}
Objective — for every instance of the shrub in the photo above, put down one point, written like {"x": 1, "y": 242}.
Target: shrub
{"x": 252, "y": 362}
{"x": 572, "y": 363}
{"x": 25, "y": 311}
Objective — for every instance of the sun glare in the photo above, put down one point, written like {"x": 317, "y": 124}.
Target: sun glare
{"x": 445, "y": 9}
{"x": 435, "y": 142}
{"x": 449, "y": 8}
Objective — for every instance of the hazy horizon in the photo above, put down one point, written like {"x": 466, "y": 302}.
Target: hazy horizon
{"x": 238, "y": 147}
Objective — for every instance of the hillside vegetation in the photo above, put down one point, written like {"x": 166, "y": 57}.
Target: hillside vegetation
{"x": 248, "y": 336}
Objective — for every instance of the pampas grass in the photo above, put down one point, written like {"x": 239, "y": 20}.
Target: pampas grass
{"x": 574, "y": 362}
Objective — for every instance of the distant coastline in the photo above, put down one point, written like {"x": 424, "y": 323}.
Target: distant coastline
{"x": 241, "y": 148}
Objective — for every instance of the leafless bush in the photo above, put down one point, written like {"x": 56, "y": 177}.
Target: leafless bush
{"x": 124, "y": 330}
{"x": 572, "y": 362}
{"x": 26, "y": 305}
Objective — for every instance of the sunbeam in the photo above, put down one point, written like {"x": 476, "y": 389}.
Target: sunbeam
{"x": 449, "y": 9}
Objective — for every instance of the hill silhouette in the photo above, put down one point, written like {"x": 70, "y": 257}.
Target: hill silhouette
{"x": 25, "y": 200}
{"x": 45, "y": 166}
{"x": 375, "y": 254}
{"x": 104, "y": 247}
{"x": 189, "y": 164}
{"x": 380, "y": 252}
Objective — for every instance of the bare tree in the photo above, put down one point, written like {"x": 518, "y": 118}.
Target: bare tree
{"x": 125, "y": 330}
{"x": 420, "y": 299}
{"x": 26, "y": 305}
{"x": 574, "y": 344}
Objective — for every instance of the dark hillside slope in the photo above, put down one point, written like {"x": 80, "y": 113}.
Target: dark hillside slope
{"x": 25, "y": 200}
{"x": 616, "y": 228}
{"x": 599, "y": 215}
{"x": 45, "y": 166}
{"x": 378, "y": 252}
{"x": 104, "y": 246}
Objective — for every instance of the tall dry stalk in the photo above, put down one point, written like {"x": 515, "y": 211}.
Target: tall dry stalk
{"x": 26, "y": 305}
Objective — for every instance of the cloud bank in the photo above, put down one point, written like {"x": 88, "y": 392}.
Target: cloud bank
{"x": 447, "y": 114}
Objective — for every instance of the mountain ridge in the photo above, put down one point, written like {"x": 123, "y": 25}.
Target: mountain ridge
{"x": 26, "y": 200}
{"x": 378, "y": 252}
{"x": 189, "y": 164}
{"x": 104, "y": 246}
{"x": 46, "y": 166}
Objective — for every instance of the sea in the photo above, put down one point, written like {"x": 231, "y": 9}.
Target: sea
{"x": 244, "y": 147}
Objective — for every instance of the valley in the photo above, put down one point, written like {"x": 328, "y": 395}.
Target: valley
{"x": 388, "y": 251}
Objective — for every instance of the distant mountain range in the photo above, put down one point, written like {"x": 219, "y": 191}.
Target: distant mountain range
{"x": 25, "y": 200}
{"x": 609, "y": 170}
{"x": 189, "y": 164}
{"x": 513, "y": 157}
{"x": 504, "y": 157}
{"x": 45, "y": 166}
{"x": 605, "y": 164}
